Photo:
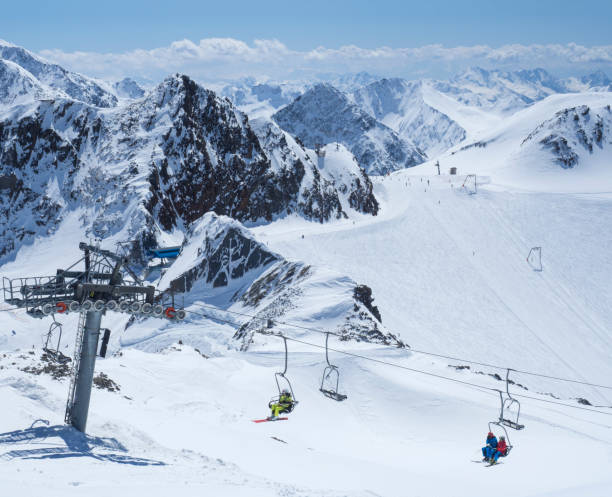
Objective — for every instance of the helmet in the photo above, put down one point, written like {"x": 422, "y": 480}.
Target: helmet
{"x": 502, "y": 438}
{"x": 490, "y": 434}
{"x": 286, "y": 392}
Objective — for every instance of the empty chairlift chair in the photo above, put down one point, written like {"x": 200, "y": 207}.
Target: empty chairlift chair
{"x": 510, "y": 409}
{"x": 331, "y": 378}
{"x": 54, "y": 353}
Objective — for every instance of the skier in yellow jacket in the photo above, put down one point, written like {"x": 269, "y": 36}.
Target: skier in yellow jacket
{"x": 284, "y": 404}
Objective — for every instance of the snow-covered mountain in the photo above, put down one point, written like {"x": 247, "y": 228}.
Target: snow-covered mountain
{"x": 597, "y": 81}
{"x": 18, "y": 86}
{"x": 156, "y": 165}
{"x": 400, "y": 105}
{"x": 223, "y": 262}
{"x": 128, "y": 88}
{"x": 573, "y": 132}
{"x": 262, "y": 99}
{"x": 279, "y": 241}
{"x": 562, "y": 143}
{"x": 324, "y": 115}
{"x": 75, "y": 85}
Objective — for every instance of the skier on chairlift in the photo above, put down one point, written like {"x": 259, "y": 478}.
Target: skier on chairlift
{"x": 500, "y": 451}
{"x": 284, "y": 404}
{"x": 489, "y": 450}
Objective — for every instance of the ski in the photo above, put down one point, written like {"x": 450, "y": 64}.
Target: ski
{"x": 496, "y": 464}
{"x": 268, "y": 419}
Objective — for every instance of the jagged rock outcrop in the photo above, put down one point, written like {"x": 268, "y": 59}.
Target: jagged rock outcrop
{"x": 157, "y": 164}
{"x": 572, "y": 132}
{"x": 324, "y": 192}
{"x": 324, "y": 115}
{"x": 221, "y": 261}
{"x": 218, "y": 251}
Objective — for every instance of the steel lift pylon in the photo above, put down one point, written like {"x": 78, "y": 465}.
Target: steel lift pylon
{"x": 103, "y": 283}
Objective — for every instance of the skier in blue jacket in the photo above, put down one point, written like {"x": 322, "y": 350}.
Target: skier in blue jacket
{"x": 491, "y": 447}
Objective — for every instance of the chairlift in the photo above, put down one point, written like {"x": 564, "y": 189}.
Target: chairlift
{"x": 55, "y": 354}
{"x": 506, "y": 436}
{"x": 505, "y": 415}
{"x": 534, "y": 258}
{"x": 470, "y": 184}
{"x": 282, "y": 378}
{"x": 329, "y": 374}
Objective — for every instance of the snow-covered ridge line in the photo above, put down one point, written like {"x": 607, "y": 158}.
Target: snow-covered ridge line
{"x": 144, "y": 170}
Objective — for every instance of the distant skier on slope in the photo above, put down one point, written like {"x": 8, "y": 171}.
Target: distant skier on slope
{"x": 500, "y": 451}
{"x": 489, "y": 449}
{"x": 284, "y": 404}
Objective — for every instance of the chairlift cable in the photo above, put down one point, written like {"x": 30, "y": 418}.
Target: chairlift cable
{"x": 417, "y": 351}
{"x": 445, "y": 377}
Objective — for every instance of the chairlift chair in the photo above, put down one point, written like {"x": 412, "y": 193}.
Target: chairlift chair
{"x": 55, "y": 354}
{"x": 280, "y": 377}
{"x": 507, "y": 437}
{"x": 331, "y": 371}
{"x": 534, "y": 258}
{"x": 505, "y": 414}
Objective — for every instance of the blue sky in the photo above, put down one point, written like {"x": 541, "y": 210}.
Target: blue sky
{"x": 286, "y": 40}
{"x": 123, "y": 25}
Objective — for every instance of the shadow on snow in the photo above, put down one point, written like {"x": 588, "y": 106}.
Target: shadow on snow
{"x": 65, "y": 441}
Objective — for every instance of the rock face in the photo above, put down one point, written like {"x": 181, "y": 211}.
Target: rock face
{"x": 157, "y": 164}
{"x": 222, "y": 261}
{"x": 325, "y": 115}
{"x": 218, "y": 251}
{"x": 401, "y": 105}
{"x": 573, "y": 132}
{"x": 56, "y": 77}
{"x": 328, "y": 191}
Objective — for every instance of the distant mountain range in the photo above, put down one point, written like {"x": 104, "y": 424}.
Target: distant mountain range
{"x": 413, "y": 120}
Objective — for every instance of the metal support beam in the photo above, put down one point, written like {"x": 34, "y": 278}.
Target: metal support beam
{"x": 85, "y": 374}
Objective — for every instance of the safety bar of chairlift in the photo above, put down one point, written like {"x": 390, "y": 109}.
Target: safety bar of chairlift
{"x": 497, "y": 423}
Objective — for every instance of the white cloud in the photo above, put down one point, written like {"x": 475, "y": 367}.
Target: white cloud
{"x": 223, "y": 58}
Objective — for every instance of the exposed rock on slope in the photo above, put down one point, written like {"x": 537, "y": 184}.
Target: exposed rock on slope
{"x": 223, "y": 262}
{"x": 325, "y": 115}
{"x": 325, "y": 192}
{"x": 157, "y": 164}
{"x": 572, "y": 130}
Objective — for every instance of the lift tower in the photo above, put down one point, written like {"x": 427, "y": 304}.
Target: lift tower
{"x": 98, "y": 282}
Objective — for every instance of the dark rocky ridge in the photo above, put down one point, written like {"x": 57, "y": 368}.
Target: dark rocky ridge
{"x": 158, "y": 163}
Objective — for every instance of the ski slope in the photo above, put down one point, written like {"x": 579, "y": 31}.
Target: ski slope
{"x": 448, "y": 272}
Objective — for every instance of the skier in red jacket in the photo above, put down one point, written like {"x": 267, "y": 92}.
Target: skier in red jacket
{"x": 502, "y": 450}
